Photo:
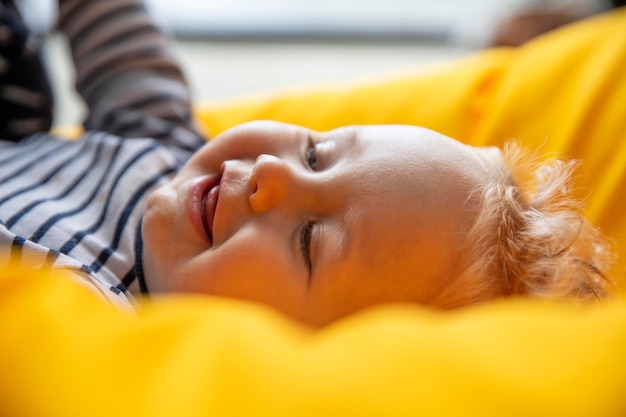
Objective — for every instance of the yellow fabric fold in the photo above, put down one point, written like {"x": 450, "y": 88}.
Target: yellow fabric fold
{"x": 65, "y": 352}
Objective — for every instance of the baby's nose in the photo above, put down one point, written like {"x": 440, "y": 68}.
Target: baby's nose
{"x": 271, "y": 181}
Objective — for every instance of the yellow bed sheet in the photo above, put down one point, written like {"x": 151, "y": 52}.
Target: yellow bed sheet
{"x": 64, "y": 352}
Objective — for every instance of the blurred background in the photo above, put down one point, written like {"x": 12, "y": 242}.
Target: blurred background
{"x": 230, "y": 48}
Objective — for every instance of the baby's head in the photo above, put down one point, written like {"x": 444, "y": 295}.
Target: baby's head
{"x": 530, "y": 236}
{"x": 319, "y": 225}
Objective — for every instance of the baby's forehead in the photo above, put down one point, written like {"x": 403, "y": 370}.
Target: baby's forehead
{"x": 490, "y": 158}
{"x": 414, "y": 140}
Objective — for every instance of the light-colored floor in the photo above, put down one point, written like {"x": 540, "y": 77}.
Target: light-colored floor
{"x": 220, "y": 70}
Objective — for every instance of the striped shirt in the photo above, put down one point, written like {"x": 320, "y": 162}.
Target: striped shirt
{"x": 77, "y": 205}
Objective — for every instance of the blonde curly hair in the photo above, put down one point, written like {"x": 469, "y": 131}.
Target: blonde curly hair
{"x": 530, "y": 237}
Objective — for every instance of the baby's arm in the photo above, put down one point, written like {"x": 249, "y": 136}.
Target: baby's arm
{"x": 125, "y": 72}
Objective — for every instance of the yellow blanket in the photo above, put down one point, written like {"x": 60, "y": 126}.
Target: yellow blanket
{"x": 64, "y": 352}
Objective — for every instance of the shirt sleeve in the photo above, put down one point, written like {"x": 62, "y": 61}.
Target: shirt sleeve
{"x": 126, "y": 73}
{"x": 18, "y": 252}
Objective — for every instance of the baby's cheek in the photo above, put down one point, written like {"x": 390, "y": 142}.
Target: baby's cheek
{"x": 253, "y": 272}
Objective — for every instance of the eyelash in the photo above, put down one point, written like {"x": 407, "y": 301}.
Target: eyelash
{"x": 310, "y": 155}
{"x": 305, "y": 244}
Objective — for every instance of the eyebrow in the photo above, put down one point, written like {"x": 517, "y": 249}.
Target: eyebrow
{"x": 342, "y": 251}
{"x": 333, "y": 254}
{"x": 348, "y": 140}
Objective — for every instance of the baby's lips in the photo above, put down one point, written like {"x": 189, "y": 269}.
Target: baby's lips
{"x": 201, "y": 206}
{"x": 210, "y": 207}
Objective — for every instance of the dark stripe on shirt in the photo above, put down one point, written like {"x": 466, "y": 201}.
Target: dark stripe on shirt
{"x": 78, "y": 236}
{"x": 79, "y": 178}
{"x": 16, "y": 250}
{"x": 123, "y": 219}
{"x": 25, "y": 147}
{"x": 146, "y": 101}
{"x": 32, "y": 163}
{"x": 136, "y": 272}
{"x": 122, "y": 37}
{"x": 108, "y": 18}
{"x": 110, "y": 65}
{"x": 51, "y": 257}
{"x": 63, "y": 164}
{"x": 159, "y": 129}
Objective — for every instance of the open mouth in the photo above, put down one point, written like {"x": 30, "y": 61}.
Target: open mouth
{"x": 209, "y": 204}
{"x": 202, "y": 204}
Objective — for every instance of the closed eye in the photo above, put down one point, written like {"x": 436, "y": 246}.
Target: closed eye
{"x": 305, "y": 244}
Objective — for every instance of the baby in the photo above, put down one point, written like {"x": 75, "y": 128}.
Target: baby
{"x": 319, "y": 225}
{"x": 316, "y": 225}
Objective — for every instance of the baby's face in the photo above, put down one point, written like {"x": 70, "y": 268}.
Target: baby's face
{"x": 317, "y": 225}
